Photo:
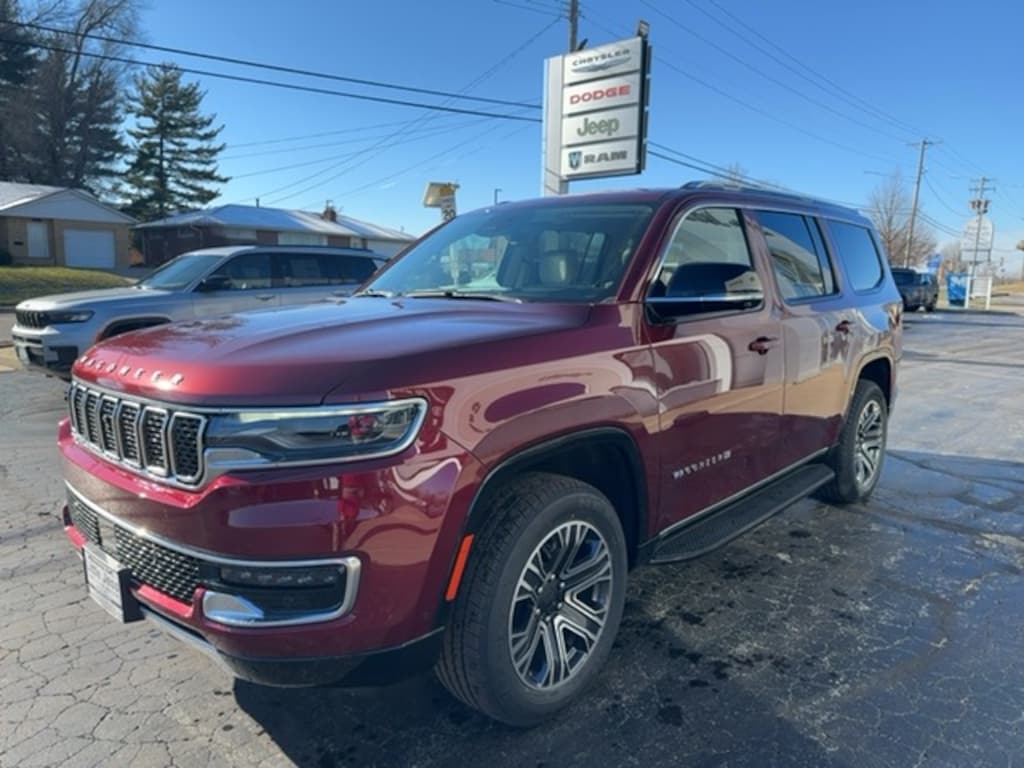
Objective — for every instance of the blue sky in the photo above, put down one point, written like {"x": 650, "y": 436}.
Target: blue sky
{"x": 948, "y": 71}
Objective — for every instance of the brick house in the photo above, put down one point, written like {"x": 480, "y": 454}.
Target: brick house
{"x": 250, "y": 225}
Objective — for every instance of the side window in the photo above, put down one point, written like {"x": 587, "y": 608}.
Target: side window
{"x": 858, "y": 253}
{"x": 350, "y": 270}
{"x": 300, "y": 270}
{"x": 250, "y": 271}
{"x": 708, "y": 267}
{"x": 798, "y": 257}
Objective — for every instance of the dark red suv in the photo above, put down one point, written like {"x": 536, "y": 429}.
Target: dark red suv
{"x": 459, "y": 465}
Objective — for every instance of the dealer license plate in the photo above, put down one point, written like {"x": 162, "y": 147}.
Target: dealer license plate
{"x": 108, "y": 584}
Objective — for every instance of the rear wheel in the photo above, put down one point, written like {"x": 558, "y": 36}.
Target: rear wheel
{"x": 857, "y": 457}
{"x": 930, "y": 306}
{"x": 541, "y": 602}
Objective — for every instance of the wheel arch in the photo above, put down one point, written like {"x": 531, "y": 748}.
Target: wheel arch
{"x": 587, "y": 456}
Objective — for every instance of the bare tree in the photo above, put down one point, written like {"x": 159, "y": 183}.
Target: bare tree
{"x": 69, "y": 117}
{"x": 889, "y": 209}
{"x": 734, "y": 173}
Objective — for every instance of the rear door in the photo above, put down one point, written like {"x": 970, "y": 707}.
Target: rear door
{"x": 815, "y": 327}
{"x": 241, "y": 283}
{"x": 718, "y": 358}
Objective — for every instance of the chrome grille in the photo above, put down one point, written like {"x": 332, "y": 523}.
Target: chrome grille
{"x": 160, "y": 441}
{"x": 173, "y": 573}
{"x": 31, "y": 319}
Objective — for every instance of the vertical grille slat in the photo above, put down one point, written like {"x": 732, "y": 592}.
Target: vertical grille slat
{"x": 158, "y": 441}
{"x": 154, "y": 440}
{"x": 127, "y": 431}
{"x": 92, "y": 418}
{"x": 108, "y": 438}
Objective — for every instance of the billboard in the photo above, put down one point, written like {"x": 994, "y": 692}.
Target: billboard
{"x": 595, "y": 113}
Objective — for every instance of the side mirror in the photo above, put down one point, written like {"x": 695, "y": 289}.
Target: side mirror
{"x": 214, "y": 283}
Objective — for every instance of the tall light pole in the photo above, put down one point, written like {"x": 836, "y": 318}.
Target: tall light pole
{"x": 913, "y": 207}
{"x": 496, "y": 191}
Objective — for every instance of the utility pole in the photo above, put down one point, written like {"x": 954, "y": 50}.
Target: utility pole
{"x": 574, "y": 22}
{"x": 913, "y": 208}
{"x": 980, "y": 205}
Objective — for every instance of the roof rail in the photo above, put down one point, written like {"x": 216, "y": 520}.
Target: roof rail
{"x": 738, "y": 186}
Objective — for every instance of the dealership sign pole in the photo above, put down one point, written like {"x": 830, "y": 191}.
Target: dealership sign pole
{"x": 595, "y": 113}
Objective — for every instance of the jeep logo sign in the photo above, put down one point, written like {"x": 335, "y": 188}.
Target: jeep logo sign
{"x": 601, "y": 94}
{"x": 599, "y": 126}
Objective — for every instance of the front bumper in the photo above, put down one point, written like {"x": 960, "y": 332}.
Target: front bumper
{"x": 46, "y": 349}
{"x": 398, "y": 517}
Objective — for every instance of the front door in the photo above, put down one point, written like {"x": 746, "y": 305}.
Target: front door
{"x": 242, "y": 283}
{"x": 719, "y": 364}
{"x": 39, "y": 240}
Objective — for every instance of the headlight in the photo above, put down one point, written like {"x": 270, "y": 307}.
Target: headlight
{"x": 79, "y": 316}
{"x": 312, "y": 435}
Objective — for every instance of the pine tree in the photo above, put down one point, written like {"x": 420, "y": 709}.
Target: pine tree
{"x": 174, "y": 167}
{"x": 18, "y": 64}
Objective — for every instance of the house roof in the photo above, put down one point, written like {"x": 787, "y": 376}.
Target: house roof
{"x": 278, "y": 220}
{"x": 40, "y": 201}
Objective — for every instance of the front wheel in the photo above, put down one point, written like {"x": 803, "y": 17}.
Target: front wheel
{"x": 930, "y": 306}
{"x": 541, "y": 602}
{"x": 857, "y": 458}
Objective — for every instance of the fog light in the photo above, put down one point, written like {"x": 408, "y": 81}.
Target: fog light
{"x": 311, "y": 576}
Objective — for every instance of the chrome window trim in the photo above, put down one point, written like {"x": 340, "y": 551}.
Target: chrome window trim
{"x": 351, "y": 563}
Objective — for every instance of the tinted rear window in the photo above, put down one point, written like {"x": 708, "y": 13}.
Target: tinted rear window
{"x": 857, "y": 251}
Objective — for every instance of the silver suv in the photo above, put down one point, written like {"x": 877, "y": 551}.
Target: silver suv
{"x": 51, "y": 331}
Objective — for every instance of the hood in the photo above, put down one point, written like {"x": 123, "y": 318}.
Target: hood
{"x": 295, "y": 356}
{"x": 88, "y": 299}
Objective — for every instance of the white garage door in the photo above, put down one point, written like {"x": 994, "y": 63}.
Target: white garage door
{"x": 89, "y": 248}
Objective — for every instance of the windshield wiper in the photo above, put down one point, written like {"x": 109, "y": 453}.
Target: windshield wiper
{"x": 449, "y": 294}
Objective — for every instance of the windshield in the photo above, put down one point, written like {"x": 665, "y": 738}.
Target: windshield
{"x": 180, "y": 272}
{"x": 573, "y": 251}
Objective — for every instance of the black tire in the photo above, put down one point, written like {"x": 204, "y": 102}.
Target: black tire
{"x": 930, "y": 306}
{"x": 847, "y": 488}
{"x": 476, "y": 662}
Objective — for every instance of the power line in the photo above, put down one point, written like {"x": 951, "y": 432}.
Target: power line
{"x": 277, "y": 84}
{"x": 326, "y": 144}
{"x": 303, "y": 137}
{"x": 896, "y": 122}
{"x": 375, "y": 150}
{"x": 717, "y": 170}
{"x": 346, "y": 155}
{"x": 760, "y": 72}
{"x": 938, "y": 197}
{"x": 275, "y": 67}
{"x": 662, "y": 61}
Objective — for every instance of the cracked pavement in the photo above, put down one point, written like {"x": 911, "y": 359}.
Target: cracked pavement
{"x": 885, "y": 634}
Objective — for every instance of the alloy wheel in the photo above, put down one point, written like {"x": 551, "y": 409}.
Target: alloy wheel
{"x": 870, "y": 443}
{"x": 560, "y": 605}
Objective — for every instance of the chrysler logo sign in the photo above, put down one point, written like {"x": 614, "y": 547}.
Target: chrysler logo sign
{"x": 600, "y": 61}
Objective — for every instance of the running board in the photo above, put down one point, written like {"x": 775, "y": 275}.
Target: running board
{"x": 718, "y": 528}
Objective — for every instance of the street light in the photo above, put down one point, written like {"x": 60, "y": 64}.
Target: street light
{"x": 496, "y": 191}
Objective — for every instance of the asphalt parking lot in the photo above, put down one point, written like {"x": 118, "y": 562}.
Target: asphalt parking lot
{"x": 887, "y": 634}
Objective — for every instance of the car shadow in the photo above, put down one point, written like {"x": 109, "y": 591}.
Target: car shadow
{"x": 827, "y": 637}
